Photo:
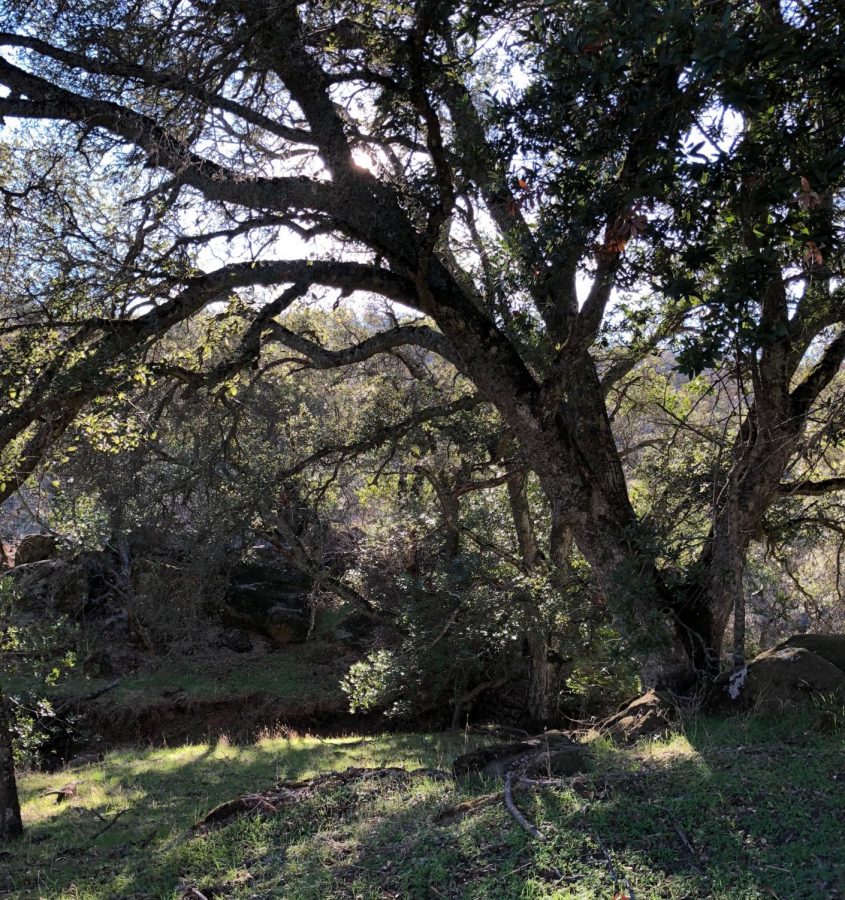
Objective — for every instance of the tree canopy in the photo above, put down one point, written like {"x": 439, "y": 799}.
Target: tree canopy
{"x": 569, "y": 203}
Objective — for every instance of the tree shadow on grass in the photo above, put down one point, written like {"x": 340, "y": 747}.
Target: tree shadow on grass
{"x": 718, "y": 816}
{"x": 730, "y": 812}
{"x": 160, "y": 793}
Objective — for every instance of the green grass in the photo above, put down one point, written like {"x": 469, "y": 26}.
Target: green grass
{"x": 292, "y": 673}
{"x": 191, "y": 699}
{"x": 760, "y": 802}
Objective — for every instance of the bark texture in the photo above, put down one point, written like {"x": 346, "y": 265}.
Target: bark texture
{"x": 11, "y": 824}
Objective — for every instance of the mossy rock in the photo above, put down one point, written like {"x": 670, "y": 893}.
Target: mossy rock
{"x": 789, "y": 675}
{"x": 646, "y": 716}
{"x": 828, "y": 646}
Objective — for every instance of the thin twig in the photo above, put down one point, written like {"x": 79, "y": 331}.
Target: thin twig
{"x": 109, "y": 824}
{"x": 685, "y": 839}
{"x": 519, "y": 818}
{"x": 617, "y": 880}
{"x": 86, "y": 698}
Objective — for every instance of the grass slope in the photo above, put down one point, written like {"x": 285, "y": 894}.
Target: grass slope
{"x": 178, "y": 700}
{"x": 747, "y": 808}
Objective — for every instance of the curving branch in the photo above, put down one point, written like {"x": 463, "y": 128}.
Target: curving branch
{"x": 45, "y": 100}
{"x": 384, "y": 433}
{"x": 94, "y": 374}
{"x": 806, "y": 393}
{"x": 404, "y": 335}
{"x": 279, "y": 43}
{"x": 619, "y": 367}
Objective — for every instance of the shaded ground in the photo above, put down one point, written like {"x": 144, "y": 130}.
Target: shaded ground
{"x": 299, "y": 687}
{"x": 191, "y": 700}
{"x": 748, "y": 808}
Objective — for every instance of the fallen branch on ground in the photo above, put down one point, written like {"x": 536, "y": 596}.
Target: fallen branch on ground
{"x": 85, "y": 698}
{"x": 65, "y": 792}
{"x": 518, "y": 817}
{"x": 109, "y": 823}
{"x": 685, "y": 840}
{"x": 288, "y": 792}
{"x": 612, "y": 869}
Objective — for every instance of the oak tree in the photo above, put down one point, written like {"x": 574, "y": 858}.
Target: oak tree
{"x": 552, "y": 194}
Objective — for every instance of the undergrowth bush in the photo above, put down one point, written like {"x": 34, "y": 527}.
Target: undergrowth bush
{"x": 33, "y": 659}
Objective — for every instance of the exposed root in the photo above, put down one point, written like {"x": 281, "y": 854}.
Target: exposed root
{"x": 287, "y": 793}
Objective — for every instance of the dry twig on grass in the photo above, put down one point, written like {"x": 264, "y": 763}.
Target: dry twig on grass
{"x": 287, "y": 792}
{"x": 617, "y": 880}
{"x": 65, "y": 792}
{"x": 109, "y": 823}
{"x": 518, "y": 817}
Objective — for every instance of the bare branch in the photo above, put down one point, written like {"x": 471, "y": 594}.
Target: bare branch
{"x": 811, "y": 488}
{"x": 321, "y": 358}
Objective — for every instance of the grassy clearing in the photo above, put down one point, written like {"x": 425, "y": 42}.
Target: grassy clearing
{"x": 300, "y": 673}
{"x": 749, "y": 808}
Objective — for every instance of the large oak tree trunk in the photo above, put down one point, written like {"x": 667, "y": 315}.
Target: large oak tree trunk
{"x": 541, "y": 680}
{"x": 11, "y": 824}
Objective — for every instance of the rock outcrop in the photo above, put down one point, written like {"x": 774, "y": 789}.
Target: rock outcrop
{"x": 790, "y": 674}
{"x": 648, "y": 715}
{"x": 272, "y": 601}
{"x": 35, "y": 548}
{"x": 828, "y": 646}
{"x": 803, "y": 667}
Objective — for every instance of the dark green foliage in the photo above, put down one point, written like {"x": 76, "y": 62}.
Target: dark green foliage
{"x": 35, "y": 658}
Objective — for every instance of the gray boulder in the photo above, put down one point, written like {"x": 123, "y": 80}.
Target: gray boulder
{"x": 789, "y": 675}
{"x": 828, "y": 646}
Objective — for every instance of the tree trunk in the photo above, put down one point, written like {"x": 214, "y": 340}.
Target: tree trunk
{"x": 450, "y": 511}
{"x": 739, "y": 629}
{"x": 523, "y": 525}
{"x": 540, "y": 678}
{"x": 11, "y": 824}
{"x": 540, "y": 675}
